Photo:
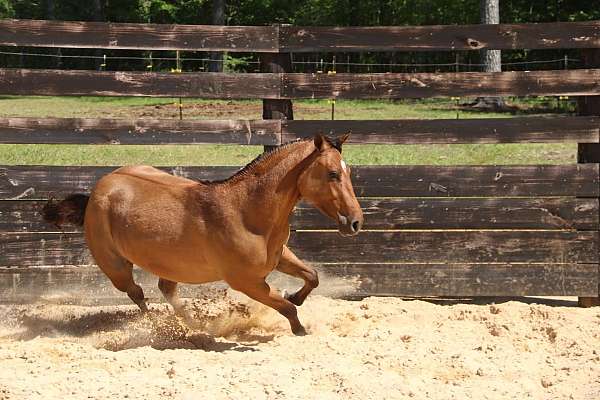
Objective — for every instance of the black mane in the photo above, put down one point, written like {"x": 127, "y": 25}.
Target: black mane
{"x": 266, "y": 155}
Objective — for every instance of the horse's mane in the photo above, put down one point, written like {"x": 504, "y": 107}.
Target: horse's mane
{"x": 264, "y": 157}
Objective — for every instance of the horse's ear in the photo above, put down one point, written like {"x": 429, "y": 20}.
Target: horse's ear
{"x": 341, "y": 140}
{"x": 320, "y": 142}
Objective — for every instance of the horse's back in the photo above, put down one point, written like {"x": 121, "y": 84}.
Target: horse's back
{"x": 151, "y": 174}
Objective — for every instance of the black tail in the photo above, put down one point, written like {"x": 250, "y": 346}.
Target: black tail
{"x": 70, "y": 210}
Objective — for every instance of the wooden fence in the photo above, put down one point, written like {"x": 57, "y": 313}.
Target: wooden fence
{"x": 429, "y": 230}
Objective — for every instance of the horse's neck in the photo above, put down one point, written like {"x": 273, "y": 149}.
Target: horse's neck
{"x": 272, "y": 190}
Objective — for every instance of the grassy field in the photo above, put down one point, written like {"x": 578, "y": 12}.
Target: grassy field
{"x": 239, "y": 155}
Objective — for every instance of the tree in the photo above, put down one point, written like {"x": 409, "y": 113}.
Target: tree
{"x": 218, "y": 18}
{"x": 99, "y": 16}
{"x": 6, "y": 9}
{"x": 491, "y": 59}
{"x": 51, "y": 14}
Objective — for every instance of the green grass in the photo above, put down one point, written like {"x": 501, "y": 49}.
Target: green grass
{"x": 240, "y": 155}
{"x": 123, "y": 107}
{"x": 64, "y": 107}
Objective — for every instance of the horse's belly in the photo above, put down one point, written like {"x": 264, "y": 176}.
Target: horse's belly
{"x": 173, "y": 263}
{"x": 177, "y": 272}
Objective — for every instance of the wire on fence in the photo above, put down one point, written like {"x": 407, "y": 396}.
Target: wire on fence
{"x": 322, "y": 64}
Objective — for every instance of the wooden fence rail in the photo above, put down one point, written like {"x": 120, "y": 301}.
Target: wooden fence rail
{"x": 41, "y": 182}
{"x": 273, "y": 39}
{"x": 275, "y": 132}
{"x": 353, "y": 280}
{"x": 583, "y": 82}
{"x": 21, "y": 250}
{"x": 564, "y": 213}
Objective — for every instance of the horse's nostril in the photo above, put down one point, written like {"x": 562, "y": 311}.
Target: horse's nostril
{"x": 355, "y": 226}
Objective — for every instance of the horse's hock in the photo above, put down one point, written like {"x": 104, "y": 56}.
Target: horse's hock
{"x": 429, "y": 230}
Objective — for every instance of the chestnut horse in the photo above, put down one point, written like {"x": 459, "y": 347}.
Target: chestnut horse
{"x": 234, "y": 230}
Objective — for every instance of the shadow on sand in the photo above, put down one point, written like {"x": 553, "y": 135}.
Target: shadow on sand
{"x": 122, "y": 330}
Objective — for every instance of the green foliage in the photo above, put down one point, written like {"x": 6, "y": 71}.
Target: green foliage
{"x": 306, "y": 12}
{"x": 235, "y": 63}
{"x": 6, "y": 9}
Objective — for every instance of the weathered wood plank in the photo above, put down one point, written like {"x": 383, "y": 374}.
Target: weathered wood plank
{"x": 88, "y": 285}
{"x": 475, "y": 181}
{"x": 137, "y": 131}
{"x": 461, "y": 213}
{"x": 467, "y": 279}
{"x": 40, "y": 33}
{"x": 40, "y": 249}
{"x": 441, "y": 37}
{"x": 580, "y": 82}
{"x": 158, "y": 84}
{"x": 41, "y": 182}
{"x": 44, "y": 249}
{"x": 266, "y": 132}
{"x": 411, "y": 213}
{"x": 583, "y": 82}
{"x": 80, "y": 285}
{"x": 485, "y": 130}
{"x": 448, "y": 247}
{"x": 298, "y": 39}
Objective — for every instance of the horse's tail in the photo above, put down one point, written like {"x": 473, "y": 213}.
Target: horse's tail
{"x": 71, "y": 210}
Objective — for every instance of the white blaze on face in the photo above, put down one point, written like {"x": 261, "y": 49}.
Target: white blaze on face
{"x": 343, "y": 165}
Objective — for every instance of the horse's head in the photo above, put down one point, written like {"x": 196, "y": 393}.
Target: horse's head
{"x": 326, "y": 184}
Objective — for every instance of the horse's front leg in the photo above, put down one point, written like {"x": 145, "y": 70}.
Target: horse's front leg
{"x": 259, "y": 290}
{"x": 291, "y": 265}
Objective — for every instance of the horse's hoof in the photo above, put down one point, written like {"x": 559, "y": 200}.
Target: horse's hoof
{"x": 300, "y": 331}
{"x": 143, "y": 307}
{"x": 292, "y": 298}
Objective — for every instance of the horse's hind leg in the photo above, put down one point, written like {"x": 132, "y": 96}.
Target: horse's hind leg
{"x": 169, "y": 290}
{"x": 120, "y": 272}
{"x": 291, "y": 265}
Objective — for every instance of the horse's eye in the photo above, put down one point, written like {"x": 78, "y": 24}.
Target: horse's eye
{"x": 334, "y": 176}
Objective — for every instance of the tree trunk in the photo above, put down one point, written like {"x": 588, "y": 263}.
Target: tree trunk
{"x": 491, "y": 59}
{"x": 218, "y": 18}
{"x": 50, "y": 15}
{"x": 98, "y": 16}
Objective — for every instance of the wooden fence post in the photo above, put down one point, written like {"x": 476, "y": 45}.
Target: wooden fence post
{"x": 589, "y": 152}
{"x": 276, "y": 108}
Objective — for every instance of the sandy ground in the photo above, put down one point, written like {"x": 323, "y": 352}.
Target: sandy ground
{"x": 377, "y": 348}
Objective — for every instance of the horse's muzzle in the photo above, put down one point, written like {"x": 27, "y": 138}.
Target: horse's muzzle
{"x": 349, "y": 226}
